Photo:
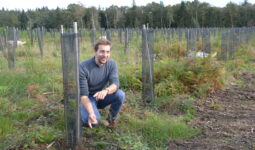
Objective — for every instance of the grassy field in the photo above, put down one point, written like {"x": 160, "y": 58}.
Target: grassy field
{"x": 31, "y": 96}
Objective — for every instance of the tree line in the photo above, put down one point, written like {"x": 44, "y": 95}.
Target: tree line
{"x": 193, "y": 14}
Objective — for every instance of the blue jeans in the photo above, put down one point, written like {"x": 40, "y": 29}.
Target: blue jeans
{"x": 116, "y": 100}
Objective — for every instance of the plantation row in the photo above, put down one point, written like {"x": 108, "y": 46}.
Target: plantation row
{"x": 173, "y": 43}
{"x": 202, "y": 40}
{"x": 170, "y": 67}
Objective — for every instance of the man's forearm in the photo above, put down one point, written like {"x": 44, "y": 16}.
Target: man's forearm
{"x": 111, "y": 89}
{"x": 87, "y": 104}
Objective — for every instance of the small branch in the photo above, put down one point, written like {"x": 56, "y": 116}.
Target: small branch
{"x": 50, "y": 145}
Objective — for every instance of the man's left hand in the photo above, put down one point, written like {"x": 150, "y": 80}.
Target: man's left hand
{"x": 100, "y": 95}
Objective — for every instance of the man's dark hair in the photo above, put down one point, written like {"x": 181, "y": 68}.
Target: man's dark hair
{"x": 102, "y": 42}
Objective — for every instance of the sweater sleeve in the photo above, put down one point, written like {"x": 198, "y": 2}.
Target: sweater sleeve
{"x": 84, "y": 90}
{"x": 114, "y": 76}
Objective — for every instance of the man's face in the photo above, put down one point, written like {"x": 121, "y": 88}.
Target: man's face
{"x": 102, "y": 54}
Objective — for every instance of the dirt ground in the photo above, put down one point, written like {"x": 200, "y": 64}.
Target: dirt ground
{"x": 226, "y": 119}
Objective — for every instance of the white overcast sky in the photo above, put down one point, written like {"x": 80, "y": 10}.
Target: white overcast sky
{"x": 52, "y": 4}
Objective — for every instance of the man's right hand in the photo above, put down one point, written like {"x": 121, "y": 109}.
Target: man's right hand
{"x": 92, "y": 120}
{"x": 100, "y": 95}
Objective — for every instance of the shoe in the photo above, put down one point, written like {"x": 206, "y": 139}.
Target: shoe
{"x": 111, "y": 121}
{"x": 104, "y": 123}
{"x": 108, "y": 123}
{"x": 87, "y": 126}
{"x": 112, "y": 124}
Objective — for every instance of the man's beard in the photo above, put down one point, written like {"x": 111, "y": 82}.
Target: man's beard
{"x": 102, "y": 62}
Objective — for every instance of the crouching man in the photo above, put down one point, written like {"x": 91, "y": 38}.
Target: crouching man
{"x": 99, "y": 86}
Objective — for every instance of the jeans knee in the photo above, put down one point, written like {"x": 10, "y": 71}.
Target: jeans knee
{"x": 85, "y": 119}
{"x": 85, "y": 116}
{"x": 121, "y": 96}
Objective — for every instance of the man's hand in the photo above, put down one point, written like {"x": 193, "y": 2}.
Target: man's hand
{"x": 100, "y": 95}
{"x": 92, "y": 120}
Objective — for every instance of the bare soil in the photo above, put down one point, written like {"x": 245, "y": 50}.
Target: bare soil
{"x": 226, "y": 119}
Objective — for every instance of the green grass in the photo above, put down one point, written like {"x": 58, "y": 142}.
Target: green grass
{"x": 156, "y": 129}
{"x": 178, "y": 82}
{"x": 14, "y": 83}
{"x": 6, "y": 126}
{"x": 26, "y": 103}
{"x": 151, "y": 132}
